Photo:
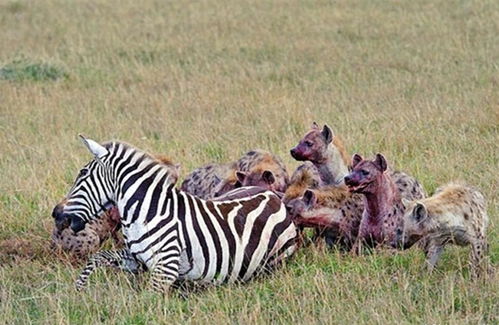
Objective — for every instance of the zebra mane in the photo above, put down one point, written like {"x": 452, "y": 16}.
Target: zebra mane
{"x": 159, "y": 160}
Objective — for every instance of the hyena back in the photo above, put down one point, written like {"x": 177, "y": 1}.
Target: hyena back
{"x": 206, "y": 182}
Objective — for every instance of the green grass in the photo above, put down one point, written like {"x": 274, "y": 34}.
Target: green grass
{"x": 24, "y": 70}
{"x": 206, "y": 81}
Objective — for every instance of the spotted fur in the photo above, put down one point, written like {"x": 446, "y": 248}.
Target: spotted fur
{"x": 333, "y": 211}
{"x": 455, "y": 214}
{"x": 89, "y": 240}
{"x": 306, "y": 176}
{"x": 254, "y": 168}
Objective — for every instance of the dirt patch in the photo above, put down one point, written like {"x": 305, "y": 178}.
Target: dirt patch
{"x": 16, "y": 250}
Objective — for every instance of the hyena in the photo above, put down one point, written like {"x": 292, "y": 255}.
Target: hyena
{"x": 254, "y": 168}
{"x": 211, "y": 180}
{"x": 455, "y": 214}
{"x": 327, "y": 152}
{"x": 264, "y": 169}
{"x": 383, "y": 208}
{"x": 334, "y": 211}
{"x": 90, "y": 239}
{"x": 306, "y": 176}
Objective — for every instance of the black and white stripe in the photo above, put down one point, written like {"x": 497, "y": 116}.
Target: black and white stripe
{"x": 174, "y": 234}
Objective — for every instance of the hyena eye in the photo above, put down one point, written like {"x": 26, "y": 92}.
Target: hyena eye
{"x": 83, "y": 172}
{"x": 308, "y": 143}
{"x": 364, "y": 172}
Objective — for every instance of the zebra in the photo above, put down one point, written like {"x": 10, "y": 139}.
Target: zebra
{"x": 171, "y": 233}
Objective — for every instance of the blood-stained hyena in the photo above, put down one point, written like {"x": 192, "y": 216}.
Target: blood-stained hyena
{"x": 90, "y": 239}
{"x": 327, "y": 152}
{"x": 383, "y": 208}
{"x": 264, "y": 169}
{"x": 455, "y": 214}
{"x": 95, "y": 233}
{"x": 334, "y": 211}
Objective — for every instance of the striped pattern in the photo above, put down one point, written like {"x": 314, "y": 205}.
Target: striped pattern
{"x": 174, "y": 234}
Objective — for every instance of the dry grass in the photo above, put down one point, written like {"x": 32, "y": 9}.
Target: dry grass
{"x": 205, "y": 81}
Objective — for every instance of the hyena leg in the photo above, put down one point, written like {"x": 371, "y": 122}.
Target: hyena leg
{"x": 478, "y": 262}
{"x": 165, "y": 272}
{"x": 433, "y": 253}
{"x": 119, "y": 259}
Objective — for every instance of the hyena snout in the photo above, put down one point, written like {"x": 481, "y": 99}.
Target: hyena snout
{"x": 350, "y": 180}
{"x": 64, "y": 220}
{"x": 298, "y": 154}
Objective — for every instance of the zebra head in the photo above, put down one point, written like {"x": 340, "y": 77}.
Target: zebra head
{"x": 91, "y": 194}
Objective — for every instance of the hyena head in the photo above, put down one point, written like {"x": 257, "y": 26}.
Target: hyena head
{"x": 297, "y": 207}
{"x": 91, "y": 194}
{"x": 316, "y": 208}
{"x": 412, "y": 226}
{"x": 365, "y": 174}
{"x": 314, "y": 145}
{"x": 261, "y": 178}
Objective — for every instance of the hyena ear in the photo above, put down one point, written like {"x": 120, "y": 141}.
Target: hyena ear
{"x": 309, "y": 198}
{"x": 327, "y": 133}
{"x": 241, "y": 176}
{"x": 315, "y": 126}
{"x": 380, "y": 162}
{"x": 95, "y": 148}
{"x": 356, "y": 158}
{"x": 268, "y": 177}
{"x": 419, "y": 213}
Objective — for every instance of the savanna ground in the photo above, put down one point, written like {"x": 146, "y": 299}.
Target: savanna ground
{"x": 205, "y": 81}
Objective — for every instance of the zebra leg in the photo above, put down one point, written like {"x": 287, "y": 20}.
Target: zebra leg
{"x": 121, "y": 259}
{"x": 166, "y": 271}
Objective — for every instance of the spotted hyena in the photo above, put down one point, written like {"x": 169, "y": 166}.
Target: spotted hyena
{"x": 383, "y": 208}
{"x": 91, "y": 238}
{"x": 455, "y": 214}
{"x": 327, "y": 152}
{"x": 210, "y": 181}
{"x": 332, "y": 210}
{"x": 254, "y": 168}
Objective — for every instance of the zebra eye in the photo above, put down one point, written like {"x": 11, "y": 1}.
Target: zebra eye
{"x": 83, "y": 172}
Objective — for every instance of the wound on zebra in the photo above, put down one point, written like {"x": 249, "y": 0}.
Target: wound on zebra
{"x": 170, "y": 233}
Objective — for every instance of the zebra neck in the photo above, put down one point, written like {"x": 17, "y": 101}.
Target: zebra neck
{"x": 145, "y": 198}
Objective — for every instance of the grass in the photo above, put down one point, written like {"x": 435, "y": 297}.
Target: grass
{"x": 206, "y": 81}
{"x": 22, "y": 70}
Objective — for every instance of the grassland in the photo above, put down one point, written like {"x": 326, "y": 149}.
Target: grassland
{"x": 205, "y": 81}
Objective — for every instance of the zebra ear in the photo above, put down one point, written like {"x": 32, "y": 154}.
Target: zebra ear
{"x": 96, "y": 149}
